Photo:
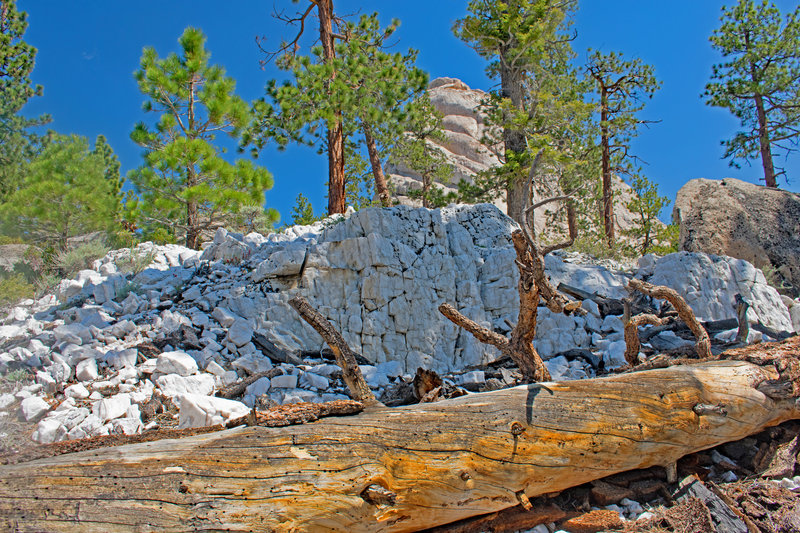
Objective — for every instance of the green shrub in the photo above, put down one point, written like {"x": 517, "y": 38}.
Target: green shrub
{"x": 14, "y": 288}
{"x": 125, "y": 290}
{"x": 70, "y": 262}
{"x": 17, "y": 375}
{"x": 135, "y": 261}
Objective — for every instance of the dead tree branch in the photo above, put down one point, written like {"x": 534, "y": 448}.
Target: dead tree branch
{"x": 345, "y": 357}
{"x": 703, "y": 345}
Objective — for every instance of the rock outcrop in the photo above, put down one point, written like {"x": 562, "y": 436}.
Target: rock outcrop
{"x": 113, "y": 345}
{"x": 464, "y": 129}
{"x": 732, "y": 217}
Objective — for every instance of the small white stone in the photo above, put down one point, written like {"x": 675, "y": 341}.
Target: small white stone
{"x": 49, "y": 430}
{"x": 111, "y": 408}
{"x": 229, "y": 377}
{"x": 123, "y": 358}
{"x": 200, "y": 411}
{"x": 728, "y": 476}
{"x": 214, "y": 368}
{"x": 475, "y": 377}
{"x": 180, "y": 363}
{"x": 86, "y": 370}
{"x": 173, "y": 384}
{"x": 46, "y": 381}
{"x": 76, "y": 391}
{"x": 259, "y": 387}
{"x": 252, "y": 364}
{"x": 612, "y": 323}
{"x": 285, "y": 381}
{"x": 224, "y": 317}
{"x": 240, "y": 333}
{"x": 311, "y": 379}
{"x": 33, "y": 408}
{"x": 126, "y": 426}
{"x": 6, "y": 401}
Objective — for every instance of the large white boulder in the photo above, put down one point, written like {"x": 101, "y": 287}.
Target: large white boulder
{"x": 710, "y": 283}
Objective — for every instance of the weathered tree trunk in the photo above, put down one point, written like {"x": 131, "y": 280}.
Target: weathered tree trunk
{"x": 765, "y": 146}
{"x": 345, "y": 357}
{"x": 407, "y": 468}
{"x": 381, "y": 187}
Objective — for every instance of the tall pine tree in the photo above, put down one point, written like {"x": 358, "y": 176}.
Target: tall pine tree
{"x": 528, "y": 45}
{"x": 363, "y": 88}
{"x": 64, "y": 193}
{"x": 622, "y": 87}
{"x": 759, "y": 82}
{"x": 185, "y": 184}
{"x": 17, "y": 143}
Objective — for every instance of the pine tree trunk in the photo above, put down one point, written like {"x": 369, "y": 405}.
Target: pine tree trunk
{"x": 192, "y": 226}
{"x": 608, "y": 192}
{"x": 763, "y": 133}
{"x": 381, "y": 187}
{"x": 514, "y": 142}
{"x": 336, "y": 187}
{"x": 763, "y": 140}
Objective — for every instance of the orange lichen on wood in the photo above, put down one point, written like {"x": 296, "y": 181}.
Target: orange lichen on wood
{"x": 400, "y": 469}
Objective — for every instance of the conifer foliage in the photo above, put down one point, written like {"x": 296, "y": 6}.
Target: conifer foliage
{"x": 185, "y": 186}
{"x": 360, "y": 90}
{"x": 64, "y": 193}
{"x": 539, "y": 108}
{"x": 623, "y": 86}
{"x": 17, "y": 58}
{"x": 759, "y": 82}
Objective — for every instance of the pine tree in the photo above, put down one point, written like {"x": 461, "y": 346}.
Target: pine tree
{"x": 646, "y": 205}
{"x": 362, "y": 88}
{"x": 17, "y": 57}
{"x": 758, "y": 82}
{"x": 303, "y": 212}
{"x": 64, "y": 193}
{"x": 527, "y": 43}
{"x": 622, "y": 87}
{"x": 185, "y": 185}
{"x": 416, "y": 151}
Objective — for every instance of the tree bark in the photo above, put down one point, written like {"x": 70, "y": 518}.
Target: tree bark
{"x": 335, "y": 136}
{"x": 514, "y": 140}
{"x": 406, "y": 468}
{"x": 381, "y": 187}
{"x": 763, "y": 133}
{"x": 608, "y": 191}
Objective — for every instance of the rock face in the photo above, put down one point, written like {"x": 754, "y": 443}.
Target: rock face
{"x": 119, "y": 344}
{"x": 464, "y": 128}
{"x": 739, "y": 219}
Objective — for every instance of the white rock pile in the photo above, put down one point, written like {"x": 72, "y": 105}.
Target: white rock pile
{"x": 379, "y": 275}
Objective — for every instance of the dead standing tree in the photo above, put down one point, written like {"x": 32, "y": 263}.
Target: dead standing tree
{"x": 533, "y": 286}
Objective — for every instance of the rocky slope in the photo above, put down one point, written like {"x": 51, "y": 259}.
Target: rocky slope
{"x": 109, "y": 341}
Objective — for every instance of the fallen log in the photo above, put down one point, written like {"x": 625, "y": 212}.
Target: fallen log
{"x": 407, "y": 468}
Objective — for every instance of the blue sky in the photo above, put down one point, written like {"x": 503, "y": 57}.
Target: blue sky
{"x": 89, "y": 49}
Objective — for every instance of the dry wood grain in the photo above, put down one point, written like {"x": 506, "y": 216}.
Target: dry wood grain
{"x": 398, "y": 469}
